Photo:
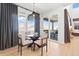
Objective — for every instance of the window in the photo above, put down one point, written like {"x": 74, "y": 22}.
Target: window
{"x": 76, "y": 26}
{"x": 21, "y": 23}
{"x": 55, "y": 27}
{"x": 46, "y": 24}
{"x": 51, "y": 25}
{"x": 31, "y": 24}
{"x": 75, "y": 5}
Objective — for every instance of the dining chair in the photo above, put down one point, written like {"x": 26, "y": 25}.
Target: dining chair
{"x": 43, "y": 42}
{"x": 23, "y": 42}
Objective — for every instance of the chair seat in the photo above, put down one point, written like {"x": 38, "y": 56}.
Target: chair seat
{"x": 39, "y": 41}
{"x": 26, "y": 42}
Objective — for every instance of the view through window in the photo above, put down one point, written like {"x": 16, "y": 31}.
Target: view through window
{"x": 31, "y": 24}
{"x": 21, "y": 23}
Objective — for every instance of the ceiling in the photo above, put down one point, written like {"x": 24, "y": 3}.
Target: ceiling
{"x": 42, "y": 7}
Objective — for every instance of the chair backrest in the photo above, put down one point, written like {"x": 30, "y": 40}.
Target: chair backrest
{"x": 23, "y": 38}
{"x": 36, "y": 35}
{"x": 19, "y": 39}
{"x": 44, "y": 42}
{"x": 43, "y": 34}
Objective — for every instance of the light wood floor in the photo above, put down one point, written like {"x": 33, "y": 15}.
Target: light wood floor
{"x": 54, "y": 49}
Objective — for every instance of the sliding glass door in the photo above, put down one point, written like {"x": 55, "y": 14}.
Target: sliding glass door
{"x": 31, "y": 24}
{"x": 25, "y": 25}
{"x": 21, "y": 23}
{"x": 27, "y": 22}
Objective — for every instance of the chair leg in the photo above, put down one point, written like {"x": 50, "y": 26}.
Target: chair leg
{"x": 20, "y": 50}
{"x": 46, "y": 48}
{"x": 42, "y": 51}
{"x": 31, "y": 47}
{"x": 34, "y": 47}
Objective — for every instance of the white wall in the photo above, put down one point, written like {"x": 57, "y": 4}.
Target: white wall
{"x": 60, "y": 13}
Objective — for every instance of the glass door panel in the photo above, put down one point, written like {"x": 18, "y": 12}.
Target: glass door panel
{"x": 21, "y": 23}
{"x": 31, "y": 24}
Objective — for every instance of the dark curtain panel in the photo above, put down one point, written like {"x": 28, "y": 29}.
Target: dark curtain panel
{"x": 0, "y": 25}
{"x": 8, "y": 26}
{"x": 66, "y": 27}
{"x": 37, "y": 23}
